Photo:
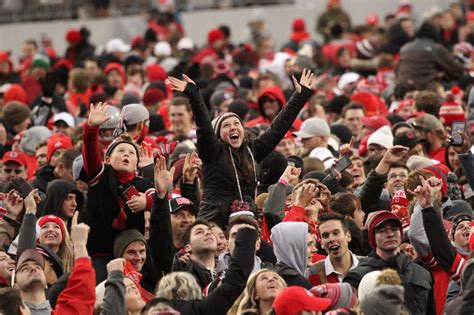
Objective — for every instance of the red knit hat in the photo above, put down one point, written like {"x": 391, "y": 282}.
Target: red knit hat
{"x": 15, "y": 93}
{"x": 400, "y": 198}
{"x": 153, "y": 96}
{"x": 56, "y": 143}
{"x": 375, "y": 219}
{"x": 214, "y": 35}
{"x": 73, "y": 36}
{"x": 155, "y": 73}
{"x": 52, "y": 218}
{"x": 450, "y": 112}
{"x": 369, "y": 101}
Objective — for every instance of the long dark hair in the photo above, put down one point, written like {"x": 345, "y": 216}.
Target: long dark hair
{"x": 243, "y": 161}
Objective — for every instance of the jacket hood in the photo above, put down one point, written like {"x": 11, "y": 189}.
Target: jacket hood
{"x": 56, "y": 192}
{"x": 289, "y": 244}
{"x": 428, "y": 31}
{"x": 272, "y": 92}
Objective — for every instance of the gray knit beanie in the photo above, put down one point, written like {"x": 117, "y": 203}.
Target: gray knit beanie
{"x": 124, "y": 239}
{"x": 34, "y": 136}
{"x": 383, "y": 300}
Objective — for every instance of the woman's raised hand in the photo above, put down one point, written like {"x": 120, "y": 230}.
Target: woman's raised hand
{"x": 307, "y": 80}
{"x": 177, "y": 84}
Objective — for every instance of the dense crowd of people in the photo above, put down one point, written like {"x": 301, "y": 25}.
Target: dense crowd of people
{"x": 330, "y": 176}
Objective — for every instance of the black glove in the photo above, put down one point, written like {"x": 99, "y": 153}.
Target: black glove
{"x": 48, "y": 84}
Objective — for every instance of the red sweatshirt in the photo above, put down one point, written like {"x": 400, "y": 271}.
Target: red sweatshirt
{"x": 79, "y": 295}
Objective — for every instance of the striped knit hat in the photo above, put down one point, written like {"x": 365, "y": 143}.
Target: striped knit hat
{"x": 217, "y": 122}
{"x": 377, "y": 218}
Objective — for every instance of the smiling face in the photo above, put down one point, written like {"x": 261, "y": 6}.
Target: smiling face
{"x": 267, "y": 286}
{"x": 124, "y": 158}
{"x": 180, "y": 220}
{"x": 50, "y": 234}
{"x": 334, "y": 239}
{"x": 180, "y": 119}
{"x": 135, "y": 253}
{"x": 356, "y": 169}
{"x": 69, "y": 206}
{"x": 396, "y": 179}
{"x": 232, "y": 132}
{"x": 221, "y": 240}
{"x": 7, "y": 266}
{"x": 462, "y": 233}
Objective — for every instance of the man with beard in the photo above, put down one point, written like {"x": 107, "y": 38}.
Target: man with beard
{"x": 335, "y": 237}
{"x": 390, "y": 174}
{"x": 431, "y": 131}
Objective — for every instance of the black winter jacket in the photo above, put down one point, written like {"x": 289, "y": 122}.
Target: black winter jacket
{"x": 219, "y": 180}
{"x": 103, "y": 207}
{"x": 291, "y": 276}
{"x": 221, "y": 299}
{"x": 371, "y": 191}
{"x": 416, "y": 280}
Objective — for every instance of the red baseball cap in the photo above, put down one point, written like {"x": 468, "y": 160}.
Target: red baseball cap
{"x": 57, "y": 143}
{"x": 14, "y": 156}
{"x": 292, "y": 300}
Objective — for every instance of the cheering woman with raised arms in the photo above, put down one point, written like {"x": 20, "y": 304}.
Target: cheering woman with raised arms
{"x": 229, "y": 157}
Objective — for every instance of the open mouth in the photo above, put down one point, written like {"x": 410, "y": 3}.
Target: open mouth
{"x": 334, "y": 248}
{"x": 234, "y": 136}
{"x": 466, "y": 234}
{"x": 272, "y": 286}
{"x": 11, "y": 268}
{"x": 126, "y": 161}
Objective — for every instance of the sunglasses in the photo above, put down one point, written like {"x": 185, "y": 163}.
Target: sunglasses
{"x": 9, "y": 171}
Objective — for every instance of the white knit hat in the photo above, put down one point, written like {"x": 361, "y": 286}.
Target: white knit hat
{"x": 382, "y": 136}
{"x": 368, "y": 283}
{"x": 324, "y": 155}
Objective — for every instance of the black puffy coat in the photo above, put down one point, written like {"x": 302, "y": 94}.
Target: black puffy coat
{"x": 219, "y": 180}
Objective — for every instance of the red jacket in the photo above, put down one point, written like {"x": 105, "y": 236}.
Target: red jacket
{"x": 79, "y": 295}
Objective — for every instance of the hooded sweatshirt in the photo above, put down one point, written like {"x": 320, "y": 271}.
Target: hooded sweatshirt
{"x": 273, "y": 92}
{"x": 289, "y": 245}
{"x": 56, "y": 193}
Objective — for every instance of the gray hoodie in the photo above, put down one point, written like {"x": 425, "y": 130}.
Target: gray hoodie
{"x": 289, "y": 245}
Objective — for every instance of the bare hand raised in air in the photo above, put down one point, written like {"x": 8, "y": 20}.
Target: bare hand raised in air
{"x": 177, "y": 84}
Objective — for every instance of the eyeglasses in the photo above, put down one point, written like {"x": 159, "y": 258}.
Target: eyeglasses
{"x": 9, "y": 171}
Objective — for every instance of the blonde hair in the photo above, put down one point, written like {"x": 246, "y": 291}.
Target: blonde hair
{"x": 179, "y": 286}
{"x": 65, "y": 252}
{"x": 246, "y": 302}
